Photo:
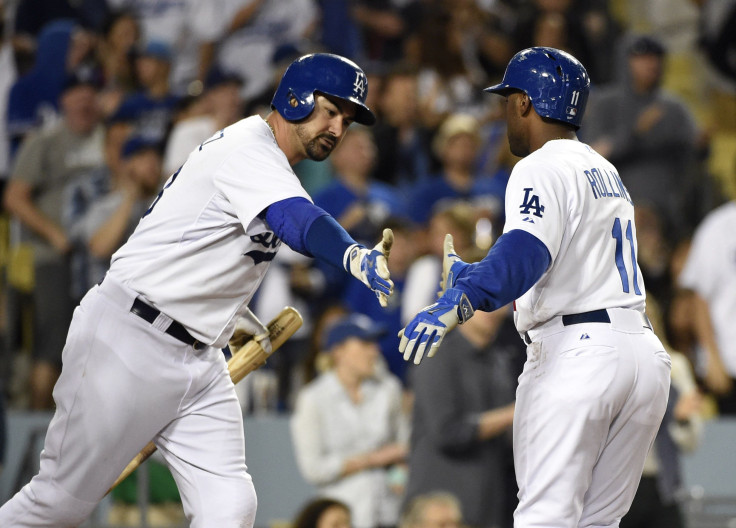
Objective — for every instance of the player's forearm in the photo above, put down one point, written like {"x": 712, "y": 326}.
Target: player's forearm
{"x": 515, "y": 262}
{"x": 309, "y": 230}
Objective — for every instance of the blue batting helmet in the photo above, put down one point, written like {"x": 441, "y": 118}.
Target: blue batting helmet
{"x": 555, "y": 81}
{"x": 325, "y": 73}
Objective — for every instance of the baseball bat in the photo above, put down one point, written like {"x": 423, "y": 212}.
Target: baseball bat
{"x": 245, "y": 360}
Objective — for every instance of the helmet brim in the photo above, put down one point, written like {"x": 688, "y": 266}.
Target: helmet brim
{"x": 363, "y": 115}
{"x": 502, "y": 89}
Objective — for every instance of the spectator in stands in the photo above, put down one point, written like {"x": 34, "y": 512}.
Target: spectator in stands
{"x": 118, "y": 41}
{"x": 432, "y": 510}
{"x": 254, "y": 32}
{"x": 360, "y": 204}
{"x": 384, "y": 26}
{"x": 32, "y": 16}
{"x": 48, "y": 187}
{"x": 460, "y": 440}
{"x": 710, "y": 274}
{"x": 150, "y": 110}
{"x": 189, "y": 28}
{"x": 650, "y": 135}
{"x": 403, "y": 253}
{"x": 563, "y": 24}
{"x": 420, "y": 289}
{"x": 456, "y": 144}
{"x": 403, "y": 144}
{"x": 323, "y": 513}
{"x": 348, "y": 427}
{"x": 111, "y": 219}
{"x": 34, "y": 97}
{"x": 446, "y": 83}
{"x": 220, "y": 106}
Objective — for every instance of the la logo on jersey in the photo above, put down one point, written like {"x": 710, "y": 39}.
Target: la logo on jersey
{"x": 359, "y": 85}
{"x": 531, "y": 205}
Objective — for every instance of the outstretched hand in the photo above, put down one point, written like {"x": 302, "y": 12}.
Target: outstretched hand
{"x": 428, "y": 328}
{"x": 452, "y": 266}
{"x": 370, "y": 266}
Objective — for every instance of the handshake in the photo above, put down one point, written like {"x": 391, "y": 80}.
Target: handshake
{"x": 426, "y": 331}
{"x": 428, "y": 328}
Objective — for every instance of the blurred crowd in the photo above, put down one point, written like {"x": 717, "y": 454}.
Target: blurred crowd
{"x": 102, "y": 100}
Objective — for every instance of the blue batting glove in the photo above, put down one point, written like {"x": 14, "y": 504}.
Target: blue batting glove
{"x": 426, "y": 331}
{"x": 370, "y": 266}
{"x": 452, "y": 266}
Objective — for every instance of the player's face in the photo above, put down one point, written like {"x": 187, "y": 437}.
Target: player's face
{"x": 325, "y": 127}
{"x": 518, "y": 140}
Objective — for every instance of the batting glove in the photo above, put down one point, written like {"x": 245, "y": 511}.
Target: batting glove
{"x": 452, "y": 266}
{"x": 370, "y": 266}
{"x": 428, "y": 328}
{"x": 248, "y": 326}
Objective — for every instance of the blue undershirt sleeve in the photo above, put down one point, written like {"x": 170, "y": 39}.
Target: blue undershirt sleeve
{"x": 309, "y": 230}
{"x": 514, "y": 264}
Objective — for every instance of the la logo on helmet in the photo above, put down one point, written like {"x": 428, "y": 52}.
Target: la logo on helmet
{"x": 359, "y": 84}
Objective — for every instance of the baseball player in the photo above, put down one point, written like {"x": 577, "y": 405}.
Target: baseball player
{"x": 142, "y": 359}
{"x": 595, "y": 383}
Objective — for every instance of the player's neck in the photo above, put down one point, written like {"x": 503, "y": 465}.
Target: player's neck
{"x": 545, "y": 134}
{"x": 280, "y": 130}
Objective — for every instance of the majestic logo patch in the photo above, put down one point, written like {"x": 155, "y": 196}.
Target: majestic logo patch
{"x": 584, "y": 336}
{"x": 359, "y": 85}
{"x": 531, "y": 203}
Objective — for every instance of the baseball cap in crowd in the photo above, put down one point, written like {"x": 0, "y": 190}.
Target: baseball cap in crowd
{"x": 136, "y": 144}
{"x": 646, "y": 45}
{"x": 157, "y": 49}
{"x": 354, "y": 325}
{"x": 452, "y": 126}
{"x": 81, "y": 77}
{"x": 217, "y": 76}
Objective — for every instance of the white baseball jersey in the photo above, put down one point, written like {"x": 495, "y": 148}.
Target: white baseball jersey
{"x": 710, "y": 270}
{"x": 572, "y": 199}
{"x": 201, "y": 251}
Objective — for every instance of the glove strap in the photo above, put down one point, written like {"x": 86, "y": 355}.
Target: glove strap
{"x": 464, "y": 309}
{"x": 351, "y": 257}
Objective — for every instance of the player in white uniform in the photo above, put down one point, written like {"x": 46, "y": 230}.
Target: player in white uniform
{"x": 142, "y": 359}
{"x": 596, "y": 380}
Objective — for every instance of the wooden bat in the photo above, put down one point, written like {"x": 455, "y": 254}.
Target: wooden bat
{"x": 245, "y": 360}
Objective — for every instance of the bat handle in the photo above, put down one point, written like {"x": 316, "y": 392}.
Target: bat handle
{"x": 141, "y": 457}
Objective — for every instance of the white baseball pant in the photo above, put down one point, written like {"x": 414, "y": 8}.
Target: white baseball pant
{"x": 589, "y": 404}
{"x": 125, "y": 382}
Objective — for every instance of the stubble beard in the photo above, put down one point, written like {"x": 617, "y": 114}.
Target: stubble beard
{"x": 313, "y": 148}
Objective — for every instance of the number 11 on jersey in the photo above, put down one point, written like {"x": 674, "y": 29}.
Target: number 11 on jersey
{"x": 618, "y": 235}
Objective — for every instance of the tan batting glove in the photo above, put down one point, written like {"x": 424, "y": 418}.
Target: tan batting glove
{"x": 452, "y": 266}
{"x": 370, "y": 266}
{"x": 248, "y": 326}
